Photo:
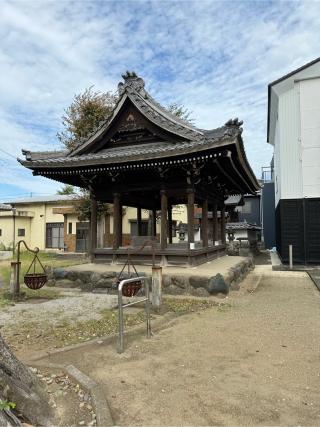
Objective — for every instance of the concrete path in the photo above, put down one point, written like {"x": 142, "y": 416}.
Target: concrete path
{"x": 254, "y": 363}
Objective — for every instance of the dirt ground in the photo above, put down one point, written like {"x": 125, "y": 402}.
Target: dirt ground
{"x": 255, "y": 362}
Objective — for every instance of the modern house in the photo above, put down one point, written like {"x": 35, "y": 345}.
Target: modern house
{"x": 52, "y": 223}
{"x": 39, "y": 221}
{"x": 294, "y": 131}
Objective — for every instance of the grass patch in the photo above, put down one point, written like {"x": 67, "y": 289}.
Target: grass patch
{"x": 47, "y": 259}
{"x": 5, "y": 302}
{"x": 43, "y": 293}
{"x": 45, "y": 335}
{"x": 83, "y": 331}
{"x": 184, "y": 306}
{"x": 27, "y": 294}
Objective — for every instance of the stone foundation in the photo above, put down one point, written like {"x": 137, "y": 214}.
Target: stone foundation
{"x": 183, "y": 284}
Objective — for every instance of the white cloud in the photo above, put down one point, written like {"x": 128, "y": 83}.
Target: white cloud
{"x": 214, "y": 57}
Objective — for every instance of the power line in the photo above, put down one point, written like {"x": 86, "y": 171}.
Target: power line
{"x": 8, "y": 154}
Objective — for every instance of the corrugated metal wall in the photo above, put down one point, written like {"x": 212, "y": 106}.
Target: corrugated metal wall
{"x": 290, "y": 162}
{"x": 310, "y": 136}
{"x": 298, "y": 224}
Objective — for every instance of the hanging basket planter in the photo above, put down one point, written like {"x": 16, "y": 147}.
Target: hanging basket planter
{"x": 35, "y": 281}
{"x": 131, "y": 289}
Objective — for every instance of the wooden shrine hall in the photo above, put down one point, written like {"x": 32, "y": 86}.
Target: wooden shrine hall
{"x": 145, "y": 157}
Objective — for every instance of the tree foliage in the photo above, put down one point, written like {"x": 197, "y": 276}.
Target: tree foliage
{"x": 66, "y": 190}
{"x": 181, "y": 112}
{"x": 82, "y": 203}
{"x": 83, "y": 206}
{"x": 83, "y": 116}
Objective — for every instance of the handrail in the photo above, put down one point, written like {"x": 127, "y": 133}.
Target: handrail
{"x": 122, "y": 306}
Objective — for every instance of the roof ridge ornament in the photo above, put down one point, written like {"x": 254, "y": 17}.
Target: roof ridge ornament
{"x": 233, "y": 125}
{"x": 234, "y": 122}
{"x": 131, "y": 81}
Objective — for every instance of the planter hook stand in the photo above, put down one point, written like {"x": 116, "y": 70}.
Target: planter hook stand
{"x": 32, "y": 280}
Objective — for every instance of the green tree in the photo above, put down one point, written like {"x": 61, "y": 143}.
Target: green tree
{"x": 83, "y": 206}
{"x": 83, "y": 116}
{"x": 66, "y": 190}
{"x": 181, "y": 112}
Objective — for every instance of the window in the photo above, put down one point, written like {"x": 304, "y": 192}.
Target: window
{"x": 70, "y": 228}
{"x": 54, "y": 235}
{"x": 247, "y": 207}
{"x": 21, "y": 232}
{"x": 134, "y": 228}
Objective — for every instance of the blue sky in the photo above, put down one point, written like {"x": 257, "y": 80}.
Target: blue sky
{"x": 215, "y": 58}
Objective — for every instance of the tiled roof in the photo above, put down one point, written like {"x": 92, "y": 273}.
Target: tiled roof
{"x": 242, "y": 226}
{"x": 132, "y": 152}
{"x": 4, "y": 207}
{"x": 234, "y": 200}
{"x": 183, "y": 138}
{"x": 42, "y": 199}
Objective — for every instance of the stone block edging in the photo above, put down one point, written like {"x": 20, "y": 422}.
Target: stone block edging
{"x": 100, "y": 403}
{"x": 173, "y": 284}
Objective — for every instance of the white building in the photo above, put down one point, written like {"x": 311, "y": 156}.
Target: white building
{"x": 294, "y": 131}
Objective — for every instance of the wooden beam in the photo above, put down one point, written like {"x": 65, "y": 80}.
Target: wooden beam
{"x": 214, "y": 221}
{"x": 164, "y": 220}
{"x": 223, "y": 224}
{"x": 93, "y": 224}
{"x": 154, "y": 223}
{"x": 139, "y": 221}
{"x": 204, "y": 224}
{"x": 190, "y": 208}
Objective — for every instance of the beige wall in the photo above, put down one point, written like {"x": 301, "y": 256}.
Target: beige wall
{"x": 7, "y": 226}
{"x": 33, "y": 218}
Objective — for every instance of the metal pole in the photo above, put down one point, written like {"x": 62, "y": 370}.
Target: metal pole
{"x": 290, "y": 258}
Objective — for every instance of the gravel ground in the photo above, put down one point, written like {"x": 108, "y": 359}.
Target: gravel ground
{"x": 253, "y": 363}
{"x": 73, "y": 305}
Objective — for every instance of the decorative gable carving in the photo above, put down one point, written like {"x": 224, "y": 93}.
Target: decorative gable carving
{"x": 130, "y": 128}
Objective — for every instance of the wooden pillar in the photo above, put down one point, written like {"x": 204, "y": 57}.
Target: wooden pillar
{"x": 223, "y": 224}
{"x": 117, "y": 221}
{"x": 93, "y": 224}
{"x": 204, "y": 224}
{"x": 154, "y": 223}
{"x": 190, "y": 212}
{"x": 164, "y": 221}
{"x": 170, "y": 222}
{"x": 214, "y": 222}
{"x": 139, "y": 221}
